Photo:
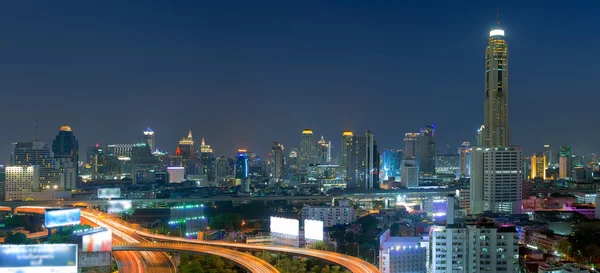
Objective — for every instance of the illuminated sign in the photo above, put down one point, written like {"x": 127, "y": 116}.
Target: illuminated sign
{"x": 55, "y": 258}
{"x": 96, "y": 242}
{"x": 497, "y": 32}
{"x": 119, "y": 206}
{"x": 285, "y": 226}
{"x": 109, "y": 193}
{"x": 62, "y": 217}
{"x": 313, "y": 230}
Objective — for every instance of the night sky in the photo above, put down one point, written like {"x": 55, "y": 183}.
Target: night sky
{"x": 243, "y": 74}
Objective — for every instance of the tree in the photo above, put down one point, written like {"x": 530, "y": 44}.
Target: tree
{"x": 287, "y": 265}
{"x": 16, "y": 238}
{"x": 323, "y": 246}
{"x": 55, "y": 239}
{"x": 591, "y": 250}
{"x": 192, "y": 267}
{"x": 227, "y": 221}
{"x": 564, "y": 247}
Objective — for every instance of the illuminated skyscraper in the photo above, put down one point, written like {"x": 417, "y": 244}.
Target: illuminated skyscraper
{"x": 391, "y": 161}
{"x": 207, "y": 161}
{"x": 222, "y": 168}
{"x": 465, "y": 159}
{"x": 411, "y": 147}
{"x": 361, "y": 168}
{"x": 345, "y": 156}
{"x": 276, "y": 162}
{"x": 242, "y": 170}
{"x": 186, "y": 146}
{"x": 149, "y": 138}
{"x": 548, "y": 155}
{"x": 323, "y": 151}
{"x": 538, "y": 166}
{"x": 479, "y": 137}
{"x": 66, "y": 151}
{"x": 496, "y": 132}
{"x": 565, "y": 165}
{"x": 308, "y": 149}
{"x": 38, "y": 153}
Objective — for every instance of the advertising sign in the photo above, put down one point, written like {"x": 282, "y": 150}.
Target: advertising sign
{"x": 99, "y": 241}
{"x": 115, "y": 206}
{"x": 62, "y": 217}
{"x": 313, "y": 230}
{"x": 55, "y": 258}
{"x": 109, "y": 193}
{"x": 285, "y": 226}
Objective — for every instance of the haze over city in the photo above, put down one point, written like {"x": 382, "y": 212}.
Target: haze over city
{"x": 243, "y": 75}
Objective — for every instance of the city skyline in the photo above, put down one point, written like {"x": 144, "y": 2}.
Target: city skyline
{"x": 396, "y": 92}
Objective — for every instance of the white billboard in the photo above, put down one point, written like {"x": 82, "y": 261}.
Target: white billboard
{"x": 176, "y": 174}
{"x": 285, "y": 226}
{"x": 109, "y": 193}
{"x": 62, "y": 217}
{"x": 55, "y": 258}
{"x": 116, "y": 206}
{"x": 96, "y": 242}
{"x": 313, "y": 230}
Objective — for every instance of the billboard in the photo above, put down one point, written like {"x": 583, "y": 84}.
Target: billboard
{"x": 313, "y": 230}
{"x": 109, "y": 193}
{"x": 95, "y": 242}
{"x": 176, "y": 174}
{"x": 115, "y": 206}
{"x": 285, "y": 226}
{"x": 62, "y": 217}
{"x": 55, "y": 258}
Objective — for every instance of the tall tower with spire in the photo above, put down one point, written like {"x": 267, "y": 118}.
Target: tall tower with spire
{"x": 186, "y": 146}
{"x": 149, "y": 138}
{"x": 496, "y": 132}
{"x": 207, "y": 161}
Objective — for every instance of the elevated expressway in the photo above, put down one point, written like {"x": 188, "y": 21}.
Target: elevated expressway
{"x": 353, "y": 264}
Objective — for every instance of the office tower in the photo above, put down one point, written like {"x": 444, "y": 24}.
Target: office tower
{"x": 479, "y": 137}
{"x": 345, "y": 154}
{"x": 66, "y": 152}
{"x": 376, "y": 166}
{"x": 465, "y": 159}
{"x": 292, "y": 162}
{"x": 323, "y": 151}
{"x": 149, "y": 138}
{"x": 118, "y": 150}
{"x": 276, "y": 162}
{"x": 548, "y": 155}
{"x": 96, "y": 161}
{"x": 474, "y": 248}
{"x": 391, "y": 161}
{"x": 186, "y": 146}
{"x": 21, "y": 179}
{"x": 222, "y": 168}
{"x": 38, "y": 153}
{"x": 496, "y": 180}
{"x": 308, "y": 150}
{"x": 565, "y": 165}
{"x": 496, "y": 132}
{"x": 361, "y": 165}
{"x": 538, "y": 166}
{"x": 402, "y": 254}
{"x": 410, "y": 174}
{"x": 207, "y": 161}
{"x": 448, "y": 164}
{"x": 426, "y": 149}
{"x": 411, "y": 146}
{"x": 242, "y": 170}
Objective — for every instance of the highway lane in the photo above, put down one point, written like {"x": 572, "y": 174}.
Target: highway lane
{"x": 245, "y": 260}
{"x": 353, "y": 264}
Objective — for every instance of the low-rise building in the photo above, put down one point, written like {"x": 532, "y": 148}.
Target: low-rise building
{"x": 330, "y": 215}
{"x": 402, "y": 254}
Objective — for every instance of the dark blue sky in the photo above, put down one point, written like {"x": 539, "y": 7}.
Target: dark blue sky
{"x": 246, "y": 73}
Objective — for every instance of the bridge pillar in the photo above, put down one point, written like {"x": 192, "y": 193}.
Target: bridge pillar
{"x": 176, "y": 259}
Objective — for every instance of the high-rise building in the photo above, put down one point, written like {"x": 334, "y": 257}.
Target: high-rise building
{"x": 242, "y": 171}
{"x": 292, "y": 163}
{"x": 323, "y": 151}
{"x": 411, "y": 146}
{"x": 410, "y": 174}
{"x": 479, "y": 137}
{"x": 465, "y": 159}
{"x": 538, "y": 166}
{"x": 186, "y": 146}
{"x": 345, "y": 156}
{"x": 496, "y": 132}
{"x": 118, "y": 150}
{"x": 391, "y": 161}
{"x": 402, "y": 254}
{"x": 426, "y": 149}
{"x": 66, "y": 152}
{"x": 308, "y": 150}
{"x": 565, "y": 159}
{"x": 149, "y": 138}
{"x": 20, "y": 180}
{"x": 361, "y": 165}
{"x": 222, "y": 168}
{"x": 207, "y": 161}
{"x": 448, "y": 164}
{"x": 38, "y": 153}
{"x": 276, "y": 162}
{"x": 548, "y": 155}
{"x": 496, "y": 180}
{"x": 474, "y": 248}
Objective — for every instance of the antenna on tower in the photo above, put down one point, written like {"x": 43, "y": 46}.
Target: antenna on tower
{"x": 497, "y": 21}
